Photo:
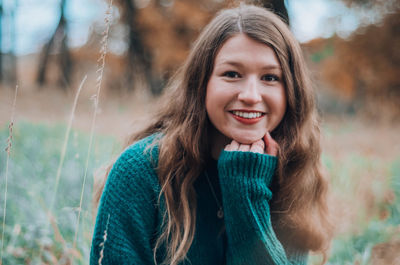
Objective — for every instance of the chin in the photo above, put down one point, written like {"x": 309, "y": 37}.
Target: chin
{"x": 248, "y": 138}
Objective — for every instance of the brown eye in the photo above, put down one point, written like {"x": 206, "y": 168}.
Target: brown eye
{"x": 231, "y": 74}
{"x": 270, "y": 78}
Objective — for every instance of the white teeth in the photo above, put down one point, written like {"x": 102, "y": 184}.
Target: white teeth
{"x": 247, "y": 115}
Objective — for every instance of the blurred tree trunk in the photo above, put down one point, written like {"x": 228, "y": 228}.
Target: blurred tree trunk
{"x": 8, "y": 60}
{"x": 12, "y": 53}
{"x": 278, "y": 6}
{"x": 139, "y": 59}
{"x": 59, "y": 38}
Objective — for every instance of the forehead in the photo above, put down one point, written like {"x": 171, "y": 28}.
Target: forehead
{"x": 241, "y": 49}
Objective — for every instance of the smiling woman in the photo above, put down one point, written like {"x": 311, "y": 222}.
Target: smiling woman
{"x": 245, "y": 95}
{"x": 228, "y": 170}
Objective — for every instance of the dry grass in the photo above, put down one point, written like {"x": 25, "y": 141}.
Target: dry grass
{"x": 100, "y": 71}
{"x": 371, "y": 138}
{"x": 8, "y": 150}
{"x": 51, "y": 218}
{"x": 117, "y": 115}
{"x": 359, "y": 156}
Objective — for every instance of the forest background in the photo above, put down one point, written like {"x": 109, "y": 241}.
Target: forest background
{"x": 72, "y": 88}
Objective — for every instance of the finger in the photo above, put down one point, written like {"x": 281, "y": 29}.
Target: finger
{"x": 244, "y": 148}
{"x": 258, "y": 147}
{"x": 234, "y": 145}
{"x": 266, "y": 140}
{"x": 228, "y": 147}
{"x": 271, "y": 145}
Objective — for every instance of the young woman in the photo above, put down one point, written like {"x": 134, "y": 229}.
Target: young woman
{"x": 229, "y": 170}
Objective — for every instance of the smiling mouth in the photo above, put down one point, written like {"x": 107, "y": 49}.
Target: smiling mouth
{"x": 247, "y": 114}
{"x": 247, "y": 117}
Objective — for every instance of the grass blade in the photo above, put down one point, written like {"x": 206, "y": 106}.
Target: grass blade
{"x": 100, "y": 71}
{"x": 62, "y": 157}
{"x": 8, "y": 150}
{"x": 65, "y": 144}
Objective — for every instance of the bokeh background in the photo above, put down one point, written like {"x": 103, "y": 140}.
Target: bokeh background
{"x": 71, "y": 113}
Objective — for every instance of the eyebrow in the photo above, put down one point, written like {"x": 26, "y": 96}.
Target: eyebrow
{"x": 238, "y": 64}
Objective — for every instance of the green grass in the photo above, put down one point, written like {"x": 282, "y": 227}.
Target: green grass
{"x": 33, "y": 165}
{"x": 370, "y": 229}
{"x": 34, "y": 160}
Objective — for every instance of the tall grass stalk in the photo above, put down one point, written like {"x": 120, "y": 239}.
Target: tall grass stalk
{"x": 8, "y": 150}
{"x": 65, "y": 144}
{"x": 100, "y": 71}
{"x": 62, "y": 158}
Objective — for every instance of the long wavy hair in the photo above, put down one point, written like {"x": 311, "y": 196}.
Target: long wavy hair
{"x": 299, "y": 207}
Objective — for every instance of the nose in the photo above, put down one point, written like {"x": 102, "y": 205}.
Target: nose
{"x": 250, "y": 93}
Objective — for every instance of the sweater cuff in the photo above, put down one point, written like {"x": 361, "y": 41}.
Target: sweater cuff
{"x": 247, "y": 164}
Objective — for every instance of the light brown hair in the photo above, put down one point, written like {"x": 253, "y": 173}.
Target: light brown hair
{"x": 299, "y": 207}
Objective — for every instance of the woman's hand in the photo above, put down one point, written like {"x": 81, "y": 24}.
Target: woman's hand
{"x": 267, "y": 145}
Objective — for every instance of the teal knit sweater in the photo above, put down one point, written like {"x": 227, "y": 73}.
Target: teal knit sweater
{"x": 129, "y": 217}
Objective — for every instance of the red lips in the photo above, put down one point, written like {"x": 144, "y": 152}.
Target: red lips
{"x": 247, "y": 121}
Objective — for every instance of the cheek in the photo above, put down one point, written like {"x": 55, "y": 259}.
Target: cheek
{"x": 213, "y": 99}
{"x": 210, "y": 108}
{"x": 209, "y": 103}
{"x": 277, "y": 106}
{"x": 281, "y": 106}
{"x": 281, "y": 109}
{"x": 283, "y": 103}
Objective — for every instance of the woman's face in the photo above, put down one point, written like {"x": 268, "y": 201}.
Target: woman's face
{"x": 245, "y": 95}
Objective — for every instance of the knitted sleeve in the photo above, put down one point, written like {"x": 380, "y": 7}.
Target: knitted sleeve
{"x": 126, "y": 216}
{"x": 244, "y": 179}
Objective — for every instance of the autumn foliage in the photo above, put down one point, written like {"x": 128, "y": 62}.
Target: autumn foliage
{"x": 363, "y": 69}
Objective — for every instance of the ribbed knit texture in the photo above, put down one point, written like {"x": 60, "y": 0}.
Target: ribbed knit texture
{"x": 129, "y": 219}
{"x": 244, "y": 179}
